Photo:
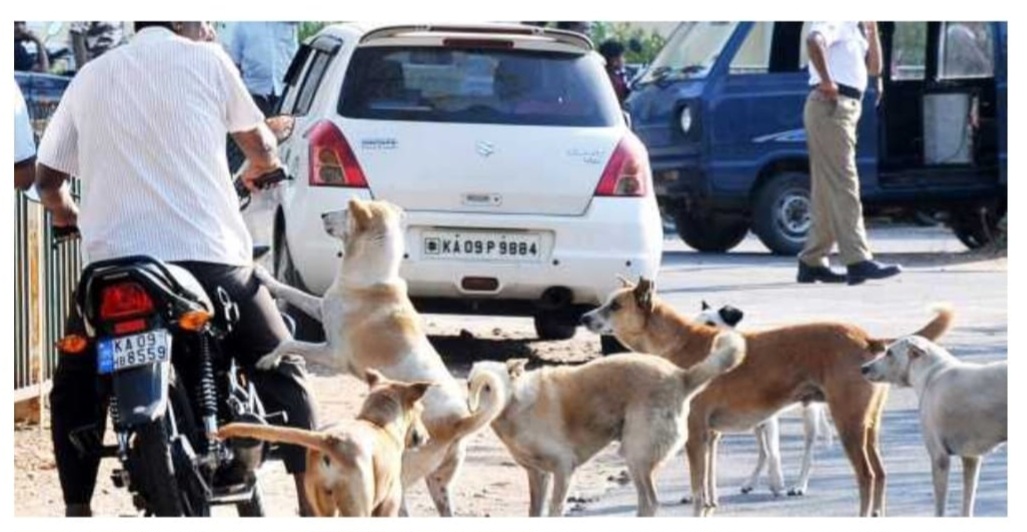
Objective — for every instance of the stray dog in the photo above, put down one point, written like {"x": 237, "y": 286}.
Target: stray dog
{"x": 555, "y": 419}
{"x": 370, "y": 322}
{"x": 809, "y": 362}
{"x": 354, "y": 470}
{"x": 963, "y": 408}
{"x": 768, "y": 438}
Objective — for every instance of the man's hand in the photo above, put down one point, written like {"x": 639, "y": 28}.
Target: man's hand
{"x": 254, "y": 170}
{"x": 829, "y": 89}
{"x": 260, "y": 147}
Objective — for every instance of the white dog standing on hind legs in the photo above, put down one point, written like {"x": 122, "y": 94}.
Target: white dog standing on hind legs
{"x": 768, "y": 438}
{"x": 963, "y": 408}
{"x": 370, "y": 323}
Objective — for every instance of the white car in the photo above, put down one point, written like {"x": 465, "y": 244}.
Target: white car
{"x": 526, "y": 192}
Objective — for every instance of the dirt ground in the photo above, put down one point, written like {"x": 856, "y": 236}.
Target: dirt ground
{"x": 490, "y": 484}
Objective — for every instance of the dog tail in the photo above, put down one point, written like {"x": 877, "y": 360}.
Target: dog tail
{"x": 481, "y": 412}
{"x": 727, "y": 353}
{"x": 317, "y": 441}
{"x": 934, "y": 329}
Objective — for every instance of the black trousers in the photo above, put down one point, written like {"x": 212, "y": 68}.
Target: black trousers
{"x": 76, "y": 400}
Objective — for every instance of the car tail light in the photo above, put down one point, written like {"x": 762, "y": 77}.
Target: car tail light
{"x": 124, "y": 300}
{"x": 627, "y": 173}
{"x": 332, "y": 162}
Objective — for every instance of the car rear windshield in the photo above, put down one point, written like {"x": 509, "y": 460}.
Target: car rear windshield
{"x": 478, "y": 86}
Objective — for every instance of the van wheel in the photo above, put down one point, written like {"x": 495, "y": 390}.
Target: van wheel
{"x": 554, "y": 326}
{"x": 782, "y": 213}
{"x": 978, "y": 227}
{"x": 307, "y": 328}
{"x": 711, "y": 233}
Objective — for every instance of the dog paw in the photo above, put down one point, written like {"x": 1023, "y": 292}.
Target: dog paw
{"x": 796, "y": 492}
{"x": 746, "y": 490}
{"x": 268, "y": 362}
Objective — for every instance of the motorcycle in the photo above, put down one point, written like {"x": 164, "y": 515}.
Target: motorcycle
{"x": 160, "y": 360}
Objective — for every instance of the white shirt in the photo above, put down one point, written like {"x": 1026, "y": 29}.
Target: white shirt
{"x": 24, "y": 143}
{"x": 144, "y": 127}
{"x": 846, "y": 54}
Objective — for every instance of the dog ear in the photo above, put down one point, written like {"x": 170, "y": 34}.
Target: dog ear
{"x": 625, "y": 283}
{"x": 644, "y": 294}
{"x": 360, "y": 214}
{"x": 372, "y": 377}
{"x": 731, "y": 315}
{"x": 705, "y": 305}
{"x": 515, "y": 367}
{"x": 416, "y": 390}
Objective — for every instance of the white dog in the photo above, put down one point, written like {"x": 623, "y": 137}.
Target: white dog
{"x": 962, "y": 408}
{"x": 768, "y": 433}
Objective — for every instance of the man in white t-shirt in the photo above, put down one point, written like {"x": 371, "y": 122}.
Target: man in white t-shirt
{"x": 24, "y": 144}
{"x": 144, "y": 127}
{"x": 841, "y": 55}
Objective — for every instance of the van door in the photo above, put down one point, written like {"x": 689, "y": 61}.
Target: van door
{"x": 904, "y": 46}
{"x": 960, "y": 107}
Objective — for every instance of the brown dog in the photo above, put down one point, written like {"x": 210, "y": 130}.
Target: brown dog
{"x": 783, "y": 366}
{"x": 354, "y": 470}
{"x": 555, "y": 419}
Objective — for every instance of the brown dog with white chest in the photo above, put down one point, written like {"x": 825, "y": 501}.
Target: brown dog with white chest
{"x": 354, "y": 469}
{"x": 809, "y": 362}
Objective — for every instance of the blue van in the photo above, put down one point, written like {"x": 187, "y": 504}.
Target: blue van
{"x": 720, "y": 110}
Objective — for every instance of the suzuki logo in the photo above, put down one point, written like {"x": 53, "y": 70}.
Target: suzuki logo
{"x": 485, "y": 148}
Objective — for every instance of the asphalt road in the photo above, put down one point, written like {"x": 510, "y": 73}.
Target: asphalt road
{"x": 937, "y": 269}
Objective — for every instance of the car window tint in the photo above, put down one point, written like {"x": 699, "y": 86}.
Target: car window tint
{"x": 481, "y": 86}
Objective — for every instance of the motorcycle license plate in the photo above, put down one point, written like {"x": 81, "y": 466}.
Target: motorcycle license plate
{"x": 116, "y": 354}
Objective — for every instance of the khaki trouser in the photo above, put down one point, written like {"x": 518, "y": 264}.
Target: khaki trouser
{"x": 837, "y": 214}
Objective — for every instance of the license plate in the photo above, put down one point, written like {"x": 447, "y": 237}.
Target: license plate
{"x": 482, "y": 246}
{"x": 116, "y": 354}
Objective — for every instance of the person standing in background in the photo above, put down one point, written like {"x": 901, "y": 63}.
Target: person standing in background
{"x": 24, "y": 144}
{"x": 263, "y": 52}
{"x": 23, "y": 61}
{"x": 841, "y": 56}
{"x": 613, "y": 52}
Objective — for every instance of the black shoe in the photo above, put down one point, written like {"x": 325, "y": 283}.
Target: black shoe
{"x": 871, "y": 269}
{"x": 811, "y": 274}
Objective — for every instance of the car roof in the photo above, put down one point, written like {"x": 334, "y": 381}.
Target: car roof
{"x": 523, "y": 36}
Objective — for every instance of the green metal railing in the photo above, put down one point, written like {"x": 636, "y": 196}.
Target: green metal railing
{"x": 45, "y": 277}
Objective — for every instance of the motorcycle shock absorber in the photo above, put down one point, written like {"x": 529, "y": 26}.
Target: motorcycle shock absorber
{"x": 207, "y": 395}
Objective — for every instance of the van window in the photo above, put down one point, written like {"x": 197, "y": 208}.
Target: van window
{"x": 772, "y": 47}
{"x": 690, "y": 52}
{"x": 479, "y": 86}
{"x": 966, "y": 50}
{"x": 908, "y": 51}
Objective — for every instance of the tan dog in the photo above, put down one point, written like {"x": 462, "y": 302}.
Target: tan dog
{"x": 783, "y": 366}
{"x": 555, "y": 419}
{"x": 370, "y": 322}
{"x": 353, "y": 470}
{"x": 963, "y": 408}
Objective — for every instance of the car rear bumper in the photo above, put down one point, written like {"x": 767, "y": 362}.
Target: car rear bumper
{"x": 583, "y": 254}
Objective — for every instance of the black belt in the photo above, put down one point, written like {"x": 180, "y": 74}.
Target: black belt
{"x": 844, "y": 90}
